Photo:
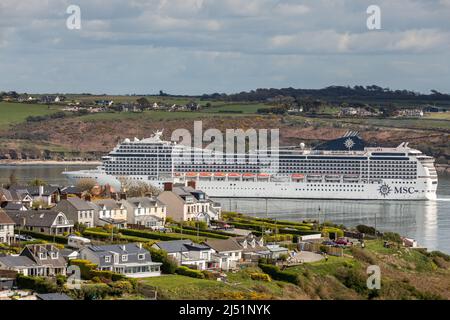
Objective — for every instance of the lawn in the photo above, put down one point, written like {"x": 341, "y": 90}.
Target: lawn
{"x": 13, "y": 113}
{"x": 238, "y": 286}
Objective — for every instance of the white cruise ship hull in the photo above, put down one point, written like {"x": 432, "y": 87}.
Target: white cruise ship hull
{"x": 420, "y": 189}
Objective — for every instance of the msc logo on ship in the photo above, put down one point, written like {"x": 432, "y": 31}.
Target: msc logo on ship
{"x": 385, "y": 190}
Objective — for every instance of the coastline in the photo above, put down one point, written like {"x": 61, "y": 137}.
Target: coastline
{"x": 47, "y": 162}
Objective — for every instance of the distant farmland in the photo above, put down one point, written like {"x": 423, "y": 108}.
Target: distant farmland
{"x": 14, "y": 113}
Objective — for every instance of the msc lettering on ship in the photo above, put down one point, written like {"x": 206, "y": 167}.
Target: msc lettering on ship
{"x": 409, "y": 190}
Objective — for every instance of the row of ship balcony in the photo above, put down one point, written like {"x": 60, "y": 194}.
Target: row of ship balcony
{"x": 254, "y": 177}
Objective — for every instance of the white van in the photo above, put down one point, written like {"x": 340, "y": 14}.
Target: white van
{"x": 78, "y": 242}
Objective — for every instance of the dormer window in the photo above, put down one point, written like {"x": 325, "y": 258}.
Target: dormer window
{"x": 42, "y": 255}
{"x": 54, "y": 255}
{"x": 141, "y": 256}
{"x": 108, "y": 259}
{"x": 124, "y": 257}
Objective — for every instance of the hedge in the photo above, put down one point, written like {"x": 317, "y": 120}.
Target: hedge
{"x": 219, "y": 232}
{"x": 277, "y": 274}
{"x": 159, "y": 235}
{"x": 194, "y": 232}
{"x": 97, "y": 234}
{"x": 88, "y": 271}
{"x": 38, "y": 284}
{"x": 169, "y": 264}
{"x": 45, "y": 236}
{"x": 260, "y": 276}
{"x": 185, "y": 271}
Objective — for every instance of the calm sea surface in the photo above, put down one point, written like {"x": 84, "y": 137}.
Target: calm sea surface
{"x": 426, "y": 221}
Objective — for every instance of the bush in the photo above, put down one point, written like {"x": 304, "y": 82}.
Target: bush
{"x": 200, "y": 233}
{"x": 277, "y": 274}
{"x": 366, "y": 229}
{"x": 392, "y": 236}
{"x": 119, "y": 288}
{"x": 95, "y": 291}
{"x": 185, "y": 271}
{"x": 260, "y": 276}
{"x": 169, "y": 264}
{"x": 88, "y": 271}
{"x": 38, "y": 284}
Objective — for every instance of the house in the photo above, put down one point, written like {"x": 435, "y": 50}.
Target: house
{"x": 78, "y": 210}
{"x": 36, "y": 260}
{"x": 6, "y": 228}
{"x": 253, "y": 247}
{"x": 228, "y": 252}
{"x": 410, "y": 113}
{"x": 276, "y": 251}
{"x": 44, "y": 221}
{"x": 47, "y": 195}
{"x": 69, "y": 254}
{"x": 109, "y": 211}
{"x": 185, "y": 252}
{"x": 15, "y": 206}
{"x": 184, "y": 203}
{"x": 17, "y": 196}
{"x": 145, "y": 211}
{"x": 47, "y": 257}
{"x": 70, "y": 191}
{"x": 130, "y": 259}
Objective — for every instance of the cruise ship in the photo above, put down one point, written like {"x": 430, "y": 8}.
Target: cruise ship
{"x": 344, "y": 168}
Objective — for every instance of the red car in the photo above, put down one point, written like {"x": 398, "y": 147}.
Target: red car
{"x": 344, "y": 242}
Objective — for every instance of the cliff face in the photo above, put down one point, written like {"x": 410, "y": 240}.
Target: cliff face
{"x": 77, "y": 138}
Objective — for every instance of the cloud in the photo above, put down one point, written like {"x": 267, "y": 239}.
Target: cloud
{"x": 238, "y": 43}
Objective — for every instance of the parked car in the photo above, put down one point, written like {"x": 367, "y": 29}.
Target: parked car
{"x": 77, "y": 242}
{"x": 24, "y": 237}
{"x": 343, "y": 241}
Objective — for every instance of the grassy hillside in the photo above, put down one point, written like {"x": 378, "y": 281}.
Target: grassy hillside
{"x": 14, "y": 113}
{"x": 405, "y": 274}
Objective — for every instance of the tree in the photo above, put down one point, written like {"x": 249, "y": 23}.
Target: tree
{"x": 13, "y": 179}
{"x": 86, "y": 184}
{"x": 37, "y": 182}
{"x": 138, "y": 188}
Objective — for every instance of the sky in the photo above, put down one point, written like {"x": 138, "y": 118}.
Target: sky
{"x": 206, "y": 46}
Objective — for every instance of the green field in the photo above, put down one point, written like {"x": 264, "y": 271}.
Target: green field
{"x": 238, "y": 107}
{"x": 13, "y": 113}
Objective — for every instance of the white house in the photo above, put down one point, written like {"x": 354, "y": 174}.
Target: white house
{"x": 145, "y": 211}
{"x": 109, "y": 211}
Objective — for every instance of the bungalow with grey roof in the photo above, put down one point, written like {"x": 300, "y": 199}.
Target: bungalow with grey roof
{"x": 188, "y": 253}
{"x": 130, "y": 259}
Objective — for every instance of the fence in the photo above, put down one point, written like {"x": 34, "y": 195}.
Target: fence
{"x": 318, "y": 248}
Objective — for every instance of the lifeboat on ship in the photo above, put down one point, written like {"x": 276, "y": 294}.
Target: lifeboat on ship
{"x": 314, "y": 177}
{"x": 263, "y": 176}
{"x": 219, "y": 174}
{"x": 234, "y": 175}
{"x": 191, "y": 174}
{"x": 205, "y": 174}
{"x": 297, "y": 176}
{"x": 332, "y": 178}
{"x": 351, "y": 178}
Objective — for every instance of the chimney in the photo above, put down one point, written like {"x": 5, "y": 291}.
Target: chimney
{"x": 123, "y": 196}
{"x": 64, "y": 196}
{"x": 191, "y": 184}
{"x": 114, "y": 196}
{"x": 41, "y": 191}
{"x": 87, "y": 197}
{"x": 139, "y": 245}
{"x": 168, "y": 186}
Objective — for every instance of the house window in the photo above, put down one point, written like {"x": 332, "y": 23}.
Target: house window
{"x": 141, "y": 256}
{"x": 108, "y": 259}
{"x": 124, "y": 257}
{"x": 54, "y": 255}
{"x": 42, "y": 255}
